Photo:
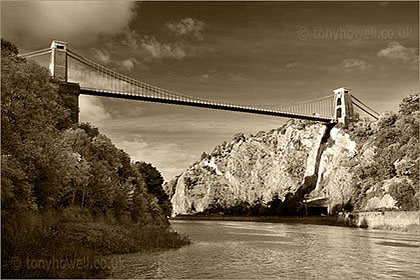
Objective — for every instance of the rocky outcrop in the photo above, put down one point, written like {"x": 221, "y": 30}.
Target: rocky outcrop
{"x": 367, "y": 165}
{"x": 250, "y": 168}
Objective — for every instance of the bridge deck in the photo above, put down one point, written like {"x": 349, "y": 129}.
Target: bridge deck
{"x": 201, "y": 104}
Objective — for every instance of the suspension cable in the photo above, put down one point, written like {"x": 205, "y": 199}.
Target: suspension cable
{"x": 361, "y": 108}
{"x": 363, "y": 104}
{"x": 36, "y": 53}
{"x": 127, "y": 79}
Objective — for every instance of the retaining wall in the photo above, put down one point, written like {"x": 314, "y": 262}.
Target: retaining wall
{"x": 396, "y": 219}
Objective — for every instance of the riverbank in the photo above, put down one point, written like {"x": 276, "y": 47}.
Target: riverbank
{"x": 75, "y": 244}
{"x": 313, "y": 220}
{"x": 402, "y": 221}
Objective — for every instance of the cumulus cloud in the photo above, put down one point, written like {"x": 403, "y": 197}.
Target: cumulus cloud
{"x": 149, "y": 48}
{"x": 354, "y": 64}
{"x": 129, "y": 64}
{"x": 398, "y": 53}
{"x": 187, "y": 26}
{"x": 80, "y": 22}
{"x": 92, "y": 109}
{"x": 158, "y": 50}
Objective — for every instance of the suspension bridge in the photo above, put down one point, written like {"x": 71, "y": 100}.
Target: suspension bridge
{"x": 98, "y": 80}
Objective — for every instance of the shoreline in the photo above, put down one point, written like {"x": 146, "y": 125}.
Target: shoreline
{"x": 310, "y": 220}
{"x": 313, "y": 220}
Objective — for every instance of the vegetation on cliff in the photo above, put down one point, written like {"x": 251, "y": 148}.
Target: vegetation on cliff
{"x": 67, "y": 192}
{"x": 394, "y": 169}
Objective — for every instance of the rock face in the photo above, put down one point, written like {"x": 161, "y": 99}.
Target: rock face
{"x": 365, "y": 165}
{"x": 254, "y": 169}
{"x": 250, "y": 169}
{"x": 335, "y": 176}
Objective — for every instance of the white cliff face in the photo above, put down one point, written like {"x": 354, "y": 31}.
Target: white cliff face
{"x": 334, "y": 176}
{"x": 256, "y": 168}
{"x": 250, "y": 169}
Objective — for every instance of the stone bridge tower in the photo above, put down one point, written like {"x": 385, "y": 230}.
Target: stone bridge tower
{"x": 343, "y": 112}
{"x": 59, "y": 69}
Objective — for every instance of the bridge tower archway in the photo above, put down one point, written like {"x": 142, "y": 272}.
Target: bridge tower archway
{"x": 343, "y": 111}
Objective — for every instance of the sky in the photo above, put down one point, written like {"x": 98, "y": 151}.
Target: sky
{"x": 239, "y": 52}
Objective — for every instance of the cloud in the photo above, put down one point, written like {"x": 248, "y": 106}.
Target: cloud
{"x": 148, "y": 49}
{"x": 187, "y": 26}
{"x": 92, "y": 110}
{"x": 354, "y": 64}
{"x": 169, "y": 158}
{"x": 203, "y": 78}
{"x": 237, "y": 77}
{"x": 158, "y": 50}
{"x": 292, "y": 65}
{"x": 79, "y": 22}
{"x": 128, "y": 63}
{"x": 102, "y": 56}
{"x": 396, "y": 52}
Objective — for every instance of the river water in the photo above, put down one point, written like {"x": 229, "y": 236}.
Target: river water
{"x": 253, "y": 250}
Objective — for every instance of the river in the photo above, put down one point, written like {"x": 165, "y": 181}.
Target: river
{"x": 254, "y": 250}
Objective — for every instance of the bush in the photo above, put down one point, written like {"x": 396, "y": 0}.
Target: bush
{"x": 396, "y": 138}
{"x": 405, "y": 195}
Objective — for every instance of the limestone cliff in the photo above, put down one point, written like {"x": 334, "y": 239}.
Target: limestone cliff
{"x": 250, "y": 168}
{"x": 370, "y": 165}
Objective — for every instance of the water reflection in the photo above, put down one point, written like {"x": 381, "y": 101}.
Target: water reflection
{"x": 248, "y": 250}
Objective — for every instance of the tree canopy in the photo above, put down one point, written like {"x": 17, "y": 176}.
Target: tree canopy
{"x": 50, "y": 163}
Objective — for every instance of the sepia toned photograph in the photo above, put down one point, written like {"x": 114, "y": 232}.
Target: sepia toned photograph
{"x": 210, "y": 140}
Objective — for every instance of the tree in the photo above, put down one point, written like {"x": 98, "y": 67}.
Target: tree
{"x": 31, "y": 114}
{"x": 396, "y": 156}
{"x": 154, "y": 180}
{"x": 8, "y": 48}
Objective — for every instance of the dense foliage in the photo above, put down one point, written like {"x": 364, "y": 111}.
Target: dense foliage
{"x": 154, "y": 183}
{"x": 49, "y": 165}
{"x": 395, "y": 166}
